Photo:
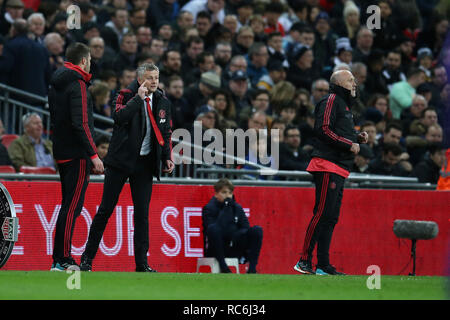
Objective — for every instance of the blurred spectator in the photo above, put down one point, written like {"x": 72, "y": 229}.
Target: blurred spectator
{"x": 36, "y": 26}
{"x": 203, "y": 25}
{"x": 392, "y": 71}
{"x": 222, "y": 54}
{"x": 386, "y": 37}
{"x": 13, "y": 11}
{"x": 25, "y": 63}
{"x": 231, "y": 23}
{"x": 428, "y": 169}
{"x": 156, "y": 47}
{"x": 194, "y": 47}
{"x": 257, "y": 121}
{"x": 55, "y": 47}
{"x": 402, "y": 92}
{"x": 198, "y": 94}
{"x": 351, "y": 21}
{"x": 244, "y": 10}
{"x": 301, "y": 72}
{"x": 275, "y": 48}
{"x": 359, "y": 71}
{"x": 444, "y": 114}
{"x": 272, "y": 13}
{"x": 216, "y": 7}
{"x": 427, "y": 118}
{"x": 257, "y": 62}
{"x": 287, "y": 112}
{"x": 98, "y": 59}
{"x": 102, "y": 145}
{"x": 362, "y": 159}
{"x": 372, "y": 141}
{"x": 204, "y": 62}
{"x": 257, "y": 24}
{"x": 406, "y": 47}
{"x": 165, "y": 32}
{"x": 280, "y": 126}
{"x": 224, "y": 106}
{"x": 4, "y": 156}
{"x": 31, "y": 149}
{"x": 297, "y": 14}
{"x": 175, "y": 91}
{"x": 325, "y": 42}
{"x": 375, "y": 81}
{"x": 143, "y": 37}
{"x": 171, "y": 65}
{"x": 292, "y": 156}
{"x": 238, "y": 86}
{"x": 276, "y": 73}
{"x": 378, "y": 111}
{"x": 418, "y": 145}
{"x": 319, "y": 88}
{"x": 260, "y": 100}
{"x": 444, "y": 179}
{"x": 433, "y": 34}
{"x": 127, "y": 56}
{"x": 414, "y": 114}
{"x": 185, "y": 21}
{"x": 343, "y": 55}
{"x": 238, "y": 62}
{"x": 126, "y": 78}
{"x": 364, "y": 43}
{"x": 137, "y": 19}
{"x": 424, "y": 61}
{"x": 439, "y": 79}
{"x": 118, "y": 24}
{"x": 244, "y": 40}
{"x": 389, "y": 162}
{"x": 101, "y": 96}
{"x": 282, "y": 92}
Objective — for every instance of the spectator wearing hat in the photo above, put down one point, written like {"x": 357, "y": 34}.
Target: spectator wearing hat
{"x": 325, "y": 40}
{"x": 301, "y": 72}
{"x": 425, "y": 61}
{"x": 25, "y": 63}
{"x": 343, "y": 55}
{"x": 36, "y": 27}
{"x": 258, "y": 57}
{"x": 13, "y": 11}
{"x": 238, "y": 86}
{"x": 199, "y": 94}
{"x": 351, "y": 23}
{"x": 402, "y": 92}
{"x": 276, "y": 73}
{"x": 362, "y": 159}
{"x": 54, "y": 44}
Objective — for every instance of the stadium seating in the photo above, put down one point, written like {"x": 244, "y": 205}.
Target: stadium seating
{"x": 8, "y": 138}
{"x": 37, "y": 170}
{"x": 7, "y": 169}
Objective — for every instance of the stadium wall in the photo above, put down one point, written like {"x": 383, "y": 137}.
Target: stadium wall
{"x": 363, "y": 236}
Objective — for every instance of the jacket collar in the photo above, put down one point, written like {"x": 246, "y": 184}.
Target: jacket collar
{"x": 86, "y": 76}
{"x": 342, "y": 92}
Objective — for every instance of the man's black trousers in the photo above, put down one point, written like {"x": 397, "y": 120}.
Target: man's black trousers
{"x": 329, "y": 192}
{"x": 141, "y": 181}
{"x": 245, "y": 242}
{"x": 74, "y": 177}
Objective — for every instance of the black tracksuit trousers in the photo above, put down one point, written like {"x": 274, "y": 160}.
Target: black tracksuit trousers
{"x": 329, "y": 192}
{"x": 141, "y": 181}
{"x": 74, "y": 177}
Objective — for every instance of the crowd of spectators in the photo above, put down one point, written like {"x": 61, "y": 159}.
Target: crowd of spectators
{"x": 260, "y": 64}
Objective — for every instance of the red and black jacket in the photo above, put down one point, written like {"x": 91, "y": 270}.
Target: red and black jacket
{"x": 71, "y": 114}
{"x": 130, "y": 128}
{"x": 334, "y": 128}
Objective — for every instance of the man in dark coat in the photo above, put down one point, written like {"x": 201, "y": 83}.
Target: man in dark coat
{"x": 25, "y": 63}
{"x": 72, "y": 124}
{"x": 335, "y": 147}
{"x": 292, "y": 156}
{"x": 141, "y": 141}
{"x": 226, "y": 229}
{"x": 428, "y": 169}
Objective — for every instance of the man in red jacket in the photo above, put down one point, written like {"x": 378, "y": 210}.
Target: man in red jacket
{"x": 335, "y": 146}
{"x": 72, "y": 124}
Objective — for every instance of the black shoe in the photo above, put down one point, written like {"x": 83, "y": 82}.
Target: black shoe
{"x": 304, "y": 267}
{"x": 328, "y": 270}
{"x": 85, "y": 264}
{"x": 144, "y": 268}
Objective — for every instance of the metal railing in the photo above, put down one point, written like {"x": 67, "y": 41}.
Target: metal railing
{"x": 12, "y": 110}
